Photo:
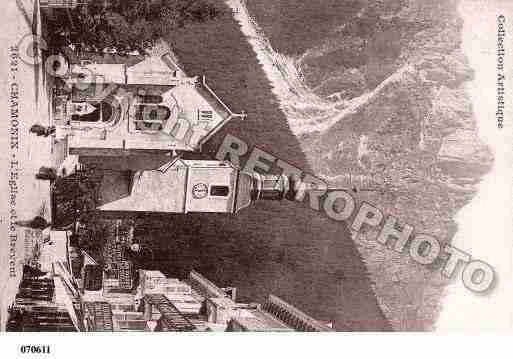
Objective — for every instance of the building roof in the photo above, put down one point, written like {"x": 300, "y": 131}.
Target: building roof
{"x": 88, "y": 259}
{"x": 147, "y": 192}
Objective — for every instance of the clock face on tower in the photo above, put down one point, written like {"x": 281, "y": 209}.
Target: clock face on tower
{"x": 199, "y": 190}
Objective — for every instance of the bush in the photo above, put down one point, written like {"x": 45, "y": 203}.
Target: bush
{"x": 74, "y": 197}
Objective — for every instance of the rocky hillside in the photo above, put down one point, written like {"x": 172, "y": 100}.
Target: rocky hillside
{"x": 391, "y": 77}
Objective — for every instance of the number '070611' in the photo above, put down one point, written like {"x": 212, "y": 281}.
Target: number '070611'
{"x": 35, "y": 349}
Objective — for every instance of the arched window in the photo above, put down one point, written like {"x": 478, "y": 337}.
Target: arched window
{"x": 151, "y": 117}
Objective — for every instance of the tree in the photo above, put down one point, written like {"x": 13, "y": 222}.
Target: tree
{"x": 127, "y": 24}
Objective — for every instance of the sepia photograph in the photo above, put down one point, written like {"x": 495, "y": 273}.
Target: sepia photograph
{"x": 263, "y": 166}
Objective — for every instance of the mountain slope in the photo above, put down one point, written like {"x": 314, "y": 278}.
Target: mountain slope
{"x": 392, "y": 77}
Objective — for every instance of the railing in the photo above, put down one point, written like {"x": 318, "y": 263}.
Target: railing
{"x": 172, "y": 319}
{"x": 292, "y": 316}
{"x": 210, "y": 289}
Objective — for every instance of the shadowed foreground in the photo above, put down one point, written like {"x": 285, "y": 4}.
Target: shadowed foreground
{"x": 281, "y": 248}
